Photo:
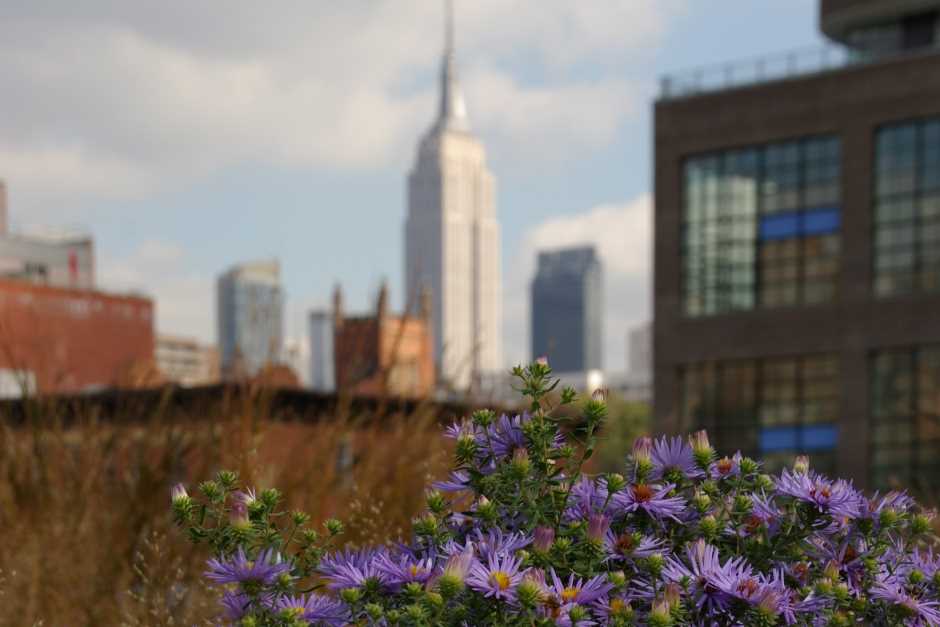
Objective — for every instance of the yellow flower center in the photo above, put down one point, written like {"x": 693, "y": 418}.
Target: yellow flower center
{"x": 415, "y": 570}
{"x": 500, "y": 578}
{"x": 569, "y": 594}
{"x": 616, "y": 605}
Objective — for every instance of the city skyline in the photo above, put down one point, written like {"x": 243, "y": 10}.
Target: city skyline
{"x": 289, "y": 137}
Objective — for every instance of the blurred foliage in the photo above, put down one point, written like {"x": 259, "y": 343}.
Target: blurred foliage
{"x": 627, "y": 420}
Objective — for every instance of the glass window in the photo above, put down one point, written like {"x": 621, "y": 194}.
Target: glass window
{"x": 761, "y": 226}
{"x": 780, "y": 406}
{"x": 904, "y": 437}
{"x": 907, "y": 208}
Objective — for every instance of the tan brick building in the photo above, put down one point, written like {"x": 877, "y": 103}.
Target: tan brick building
{"x": 383, "y": 354}
{"x": 55, "y": 339}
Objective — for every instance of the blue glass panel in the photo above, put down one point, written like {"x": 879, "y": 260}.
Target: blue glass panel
{"x": 818, "y": 437}
{"x": 780, "y": 226}
{"x": 778, "y": 439}
{"x": 822, "y": 220}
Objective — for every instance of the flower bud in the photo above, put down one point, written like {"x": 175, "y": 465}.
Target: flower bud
{"x": 617, "y": 578}
{"x": 520, "y": 463}
{"x": 598, "y": 524}
{"x": 659, "y": 614}
{"x": 702, "y": 449}
{"x": 350, "y": 595}
{"x": 238, "y": 517}
{"x": 374, "y": 610}
{"x": 920, "y": 524}
{"x": 178, "y": 493}
{"x": 615, "y": 482}
{"x": 544, "y": 537}
{"x": 709, "y": 526}
{"x": 748, "y": 466}
{"x": 654, "y": 564}
{"x": 529, "y": 592}
{"x": 642, "y": 457}
{"x": 888, "y": 517}
{"x": 672, "y": 595}
{"x": 701, "y": 501}
{"x": 333, "y": 526}
{"x": 577, "y": 614}
{"x": 801, "y": 465}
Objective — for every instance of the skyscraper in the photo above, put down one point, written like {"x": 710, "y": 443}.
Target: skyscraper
{"x": 567, "y": 309}
{"x": 322, "y": 373}
{"x": 452, "y": 237}
{"x": 797, "y": 262}
{"x": 250, "y": 318}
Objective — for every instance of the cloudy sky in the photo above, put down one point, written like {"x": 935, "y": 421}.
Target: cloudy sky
{"x": 187, "y": 136}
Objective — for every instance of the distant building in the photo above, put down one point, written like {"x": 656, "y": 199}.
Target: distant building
{"x": 640, "y": 351}
{"x": 452, "y": 239}
{"x": 250, "y": 316}
{"x": 383, "y": 354}
{"x": 186, "y": 361}
{"x": 322, "y": 372}
{"x": 3, "y": 209}
{"x": 296, "y": 356}
{"x": 567, "y": 310}
{"x": 797, "y": 249}
{"x": 55, "y": 339}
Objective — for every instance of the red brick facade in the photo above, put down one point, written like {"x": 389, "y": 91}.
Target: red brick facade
{"x": 383, "y": 354}
{"x": 71, "y": 340}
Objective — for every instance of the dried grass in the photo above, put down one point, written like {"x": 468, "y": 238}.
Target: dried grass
{"x": 86, "y": 536}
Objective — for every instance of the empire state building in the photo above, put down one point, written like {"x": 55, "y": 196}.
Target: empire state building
{"x": 452, "y": 247}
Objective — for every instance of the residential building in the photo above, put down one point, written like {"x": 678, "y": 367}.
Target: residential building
{"x": 186, "y": 361}
{"x": 383, "y": 354}
{"x": 567, "y": 309}
{"x": 322, "y": 372}
{"x": 797, "y": 249}
{"x": 250, "y": 316}
{"x": 64, "y": 340}
{"x": 452, "y": 239}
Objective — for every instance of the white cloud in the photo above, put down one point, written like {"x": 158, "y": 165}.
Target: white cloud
{"x": 110, "y": 99}
{"x": 183, "y": 298}
{"x": 622, "y": 234}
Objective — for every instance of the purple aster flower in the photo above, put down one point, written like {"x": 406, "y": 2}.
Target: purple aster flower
{"x": 706, "y": 575}
{"x": 928, "y": 612}
{"x": 461, "y": 428}
{"x": 497, "y": 543}
{"x": 317, "y": 609}
{"x": 406, "y": 569}
{"x": 673, "y": 459}
{"x": 235, "y": 605}
{"x": 651, "y": 499}
{"x": 836, "y": 498}
{"x": 577, "y": 590}
{"x": 239, "y": 569}
{"x": 505, "y": 435}
{"x": 351, "y": 569}
{"x": 498, "y": 578}
{"x": 632, "y": 545}
{"x": 726, "y": 467}
{"x": 587, "y": 496}
{"x": 459, "y": 480}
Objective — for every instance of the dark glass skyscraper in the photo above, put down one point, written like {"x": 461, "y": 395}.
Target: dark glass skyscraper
{"x": 567, "y": 309}
{"x": 797, "y": 260}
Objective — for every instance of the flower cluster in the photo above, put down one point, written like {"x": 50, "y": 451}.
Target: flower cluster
{"x": 519, "y": 534}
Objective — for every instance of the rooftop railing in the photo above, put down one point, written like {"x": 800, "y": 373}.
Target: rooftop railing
{"x": 772, "y": 67}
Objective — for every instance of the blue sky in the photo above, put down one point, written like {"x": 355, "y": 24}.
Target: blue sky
{"x": 190, "y": 136}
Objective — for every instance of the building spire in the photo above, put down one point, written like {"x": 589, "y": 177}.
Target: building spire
{"x": 453, "y": 110}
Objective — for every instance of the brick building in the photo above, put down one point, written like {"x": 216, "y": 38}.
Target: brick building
{"x": 186, "y": 361}
{"x": 797, "y": 249}
{"x": 55, "y": 339}
{"x": 383, "y": 354}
